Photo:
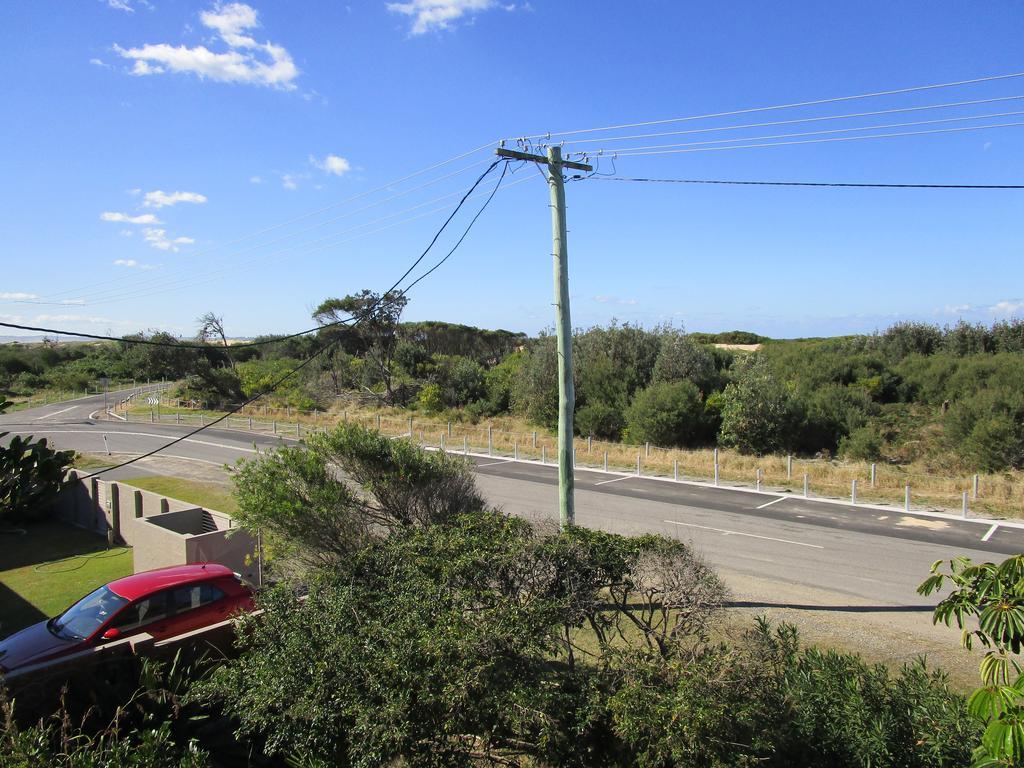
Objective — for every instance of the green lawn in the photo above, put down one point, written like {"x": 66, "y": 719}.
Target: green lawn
{"x": 215, "y": 496}
{"x": 49, "y": 567}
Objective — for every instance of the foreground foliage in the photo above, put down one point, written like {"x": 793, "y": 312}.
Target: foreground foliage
{"x": 992, "y": 595}
{"x": 31, "y": 475}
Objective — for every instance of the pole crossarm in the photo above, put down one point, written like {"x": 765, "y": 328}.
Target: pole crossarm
{"x": 514, "y": 155}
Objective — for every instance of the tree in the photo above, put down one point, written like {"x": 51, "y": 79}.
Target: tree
{"x": 31, "y": 475}
{"x": 313, "y": 517}
{"x": 758, "y": 414}
{"x": 994, "y": 596}
{"x": 212, "y": 327}
{"x": 667, "y": 414}
{"x": 375, "y": 330}
{"x": 680, "y": 358}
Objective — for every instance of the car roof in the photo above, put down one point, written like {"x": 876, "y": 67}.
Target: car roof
{"x": 145, "y": 583}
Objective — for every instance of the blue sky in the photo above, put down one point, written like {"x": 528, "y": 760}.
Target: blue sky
{"x": 163, "y": 158}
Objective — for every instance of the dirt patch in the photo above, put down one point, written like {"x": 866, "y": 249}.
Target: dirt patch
{"x": 739, "y": 347}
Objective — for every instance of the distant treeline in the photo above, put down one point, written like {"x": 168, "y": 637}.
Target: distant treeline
{"x": 950, "y": 397}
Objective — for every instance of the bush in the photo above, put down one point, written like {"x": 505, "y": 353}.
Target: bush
{"x": 431, "y": 399}
{"x": 862, "y": 444}
{"x": 758, "y": 413}
{"x": 667, "y": 414}
{"x": 599, "y": 420}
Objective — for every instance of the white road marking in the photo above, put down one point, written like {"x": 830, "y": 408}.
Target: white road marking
{"x": 773, "y": 501}
{"x": 143, "y": 434}
{"x": 727, "y": 532}
{"x": 614, "y": 480}
{"x": 988, "y": 534}
{"x": 496, "y": 463}
{"x": 55, "y": 413}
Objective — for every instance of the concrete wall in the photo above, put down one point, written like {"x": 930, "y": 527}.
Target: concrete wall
{"x": 161, "y": 531}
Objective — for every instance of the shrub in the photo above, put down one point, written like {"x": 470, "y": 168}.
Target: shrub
{"x": 599, "y": 420}
{"x": 758, "y": 413}
{"x": 667, "y": 413}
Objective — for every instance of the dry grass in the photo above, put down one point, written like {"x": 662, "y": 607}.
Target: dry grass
{"x": 998, "y": 494}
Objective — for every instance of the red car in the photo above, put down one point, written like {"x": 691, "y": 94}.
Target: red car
{"x": 163, "y": 603}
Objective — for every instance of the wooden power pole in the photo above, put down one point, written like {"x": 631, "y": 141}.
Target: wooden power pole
{"x": 563, "y": 323}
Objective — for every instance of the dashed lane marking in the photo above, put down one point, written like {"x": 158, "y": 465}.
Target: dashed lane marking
{"x": 773, "y": 501}
{"x": 727, "y": 532}
{"x": 989, "y": 532}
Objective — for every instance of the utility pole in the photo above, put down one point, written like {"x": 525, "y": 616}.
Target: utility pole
{"x": 563, "y": 323}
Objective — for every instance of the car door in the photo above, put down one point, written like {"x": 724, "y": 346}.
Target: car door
{"x": 149, "y": 614}
{"x": 196, "y": 605}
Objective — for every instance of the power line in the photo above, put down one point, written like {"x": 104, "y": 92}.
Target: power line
{"x": 778, "y": 106}
{"x": 802, "y": 183}
{"x": 324, "y": 209}
{"x": 766, "y": 124}
{"x": 631, "y": 153}
{"x": 276, "y": 339}
{"x": 170, "y": 279}
{"x": 825, "y": 132}
{"x": 354, "y": 320}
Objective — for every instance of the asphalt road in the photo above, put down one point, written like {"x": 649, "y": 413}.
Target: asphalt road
{"x": 833, "y": 553}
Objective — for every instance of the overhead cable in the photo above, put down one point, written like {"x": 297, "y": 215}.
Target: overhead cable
{"x": 801, "y": 183}
{"x": 792, "y": 105}
{"x": 183, "y": 345}
{"x": 631, "y": 153}
{"x": 353, "y": 320}
{"x": 847, "y": 116}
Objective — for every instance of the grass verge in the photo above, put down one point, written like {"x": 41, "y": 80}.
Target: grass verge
{"x": 50, "y": 566}
{"x": 215, "y": 496}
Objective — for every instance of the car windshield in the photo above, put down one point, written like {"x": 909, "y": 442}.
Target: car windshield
{"x": 87, "y": 615}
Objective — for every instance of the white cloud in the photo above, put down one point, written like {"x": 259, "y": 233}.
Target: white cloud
{"x": 614, "y": 300}
{"x": 288, "y": 181}
{"x": 957, "y": 309}
{"x": 245, "y": 61}
{"x": 17, "y": 296}
{"x": 159, "y": 240}
{"x": 129, "y": 263}
{"x": 72, "y": 301}
{"x": 339, "y": 166}
{"x": 121, "y": 5}
{"x": 431, "y": 15}
{"x": 124, "y": 218}
{"x": 1007, "y": 307}
{"x": 99, "y": 63}
{"x": 255, "y": 179}
{"x": 158, "y": 198}
{"x": 125, "y": 263}
{"x": 126, "y": 233}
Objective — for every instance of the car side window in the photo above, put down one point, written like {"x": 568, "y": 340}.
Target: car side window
{"x": 153, "y": 608}
{"x": 195, "y": 596}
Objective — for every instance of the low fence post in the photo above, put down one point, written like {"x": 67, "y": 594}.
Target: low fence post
{"x": 177, "y": 417}
{"x": 716, "y": 467}
{"x": 275, "y": 426}
{"x": 789, "y": 467}
{"x": 873, "y": 474}
{"x": 974, "y": 488}
{"x": 675, "y": 469}
{"x": 202, "y": 419}
{"x": 638, "y": 465}
{"x": 164, "y": 506}
{"x": 590, "y": 443}
{"x": 441, "y": 442}
{"x": 138, "y": 503}
{"x": 378, "y": 424}
{"x": 963, "y": 511}
{"x": 465, "y": 444}
{"x": 758, "y": 480}
{"x": 490, "y": 443}
{"x": 534, "y": 439}
{"x": 515, "y": 450}
{"x": 647, "y": 450}
{"x": 449, "y": 429}
{"x": 906, "y": 498}
{"x": 606, "y": 461}
{"x": 853, "y": 491}
{"x": 543, "y": 454}
{"x": 410, "y": 427}
{"x": 807, "y": 486}
{"x": 250, "y": 423}
{"x": 298, "y": 429}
